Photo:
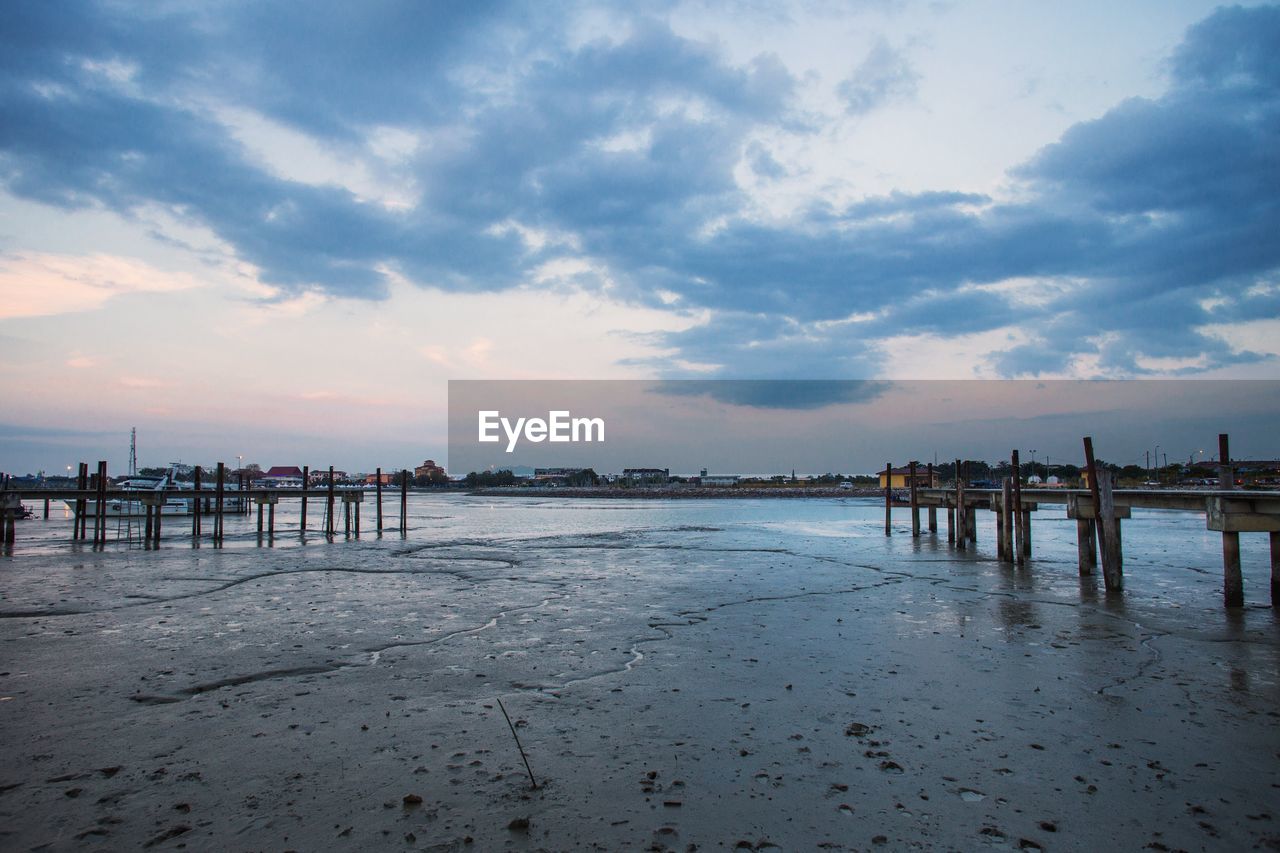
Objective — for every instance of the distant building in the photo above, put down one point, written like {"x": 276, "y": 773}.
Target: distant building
{"x": 281, "y": 476}
{"x": 901, "y": 478}
{"x": 555, "y": 473}
{"x": 718, "y": 479}
{"x": 646, "y": 476}
{"x": 427, "y": 469}
{"x": 372, "y": 479}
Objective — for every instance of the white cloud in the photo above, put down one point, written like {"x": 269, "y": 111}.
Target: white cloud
{"x": 35, "y": 284}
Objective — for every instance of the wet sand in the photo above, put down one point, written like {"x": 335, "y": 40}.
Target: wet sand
{"x": 730, "y": 677}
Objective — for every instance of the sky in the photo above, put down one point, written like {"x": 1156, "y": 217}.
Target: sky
{"x": 276, "y": 230}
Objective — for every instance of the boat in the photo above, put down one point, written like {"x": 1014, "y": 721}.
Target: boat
{"x": 128, "y": 506}
{"x": 132, "y": 505}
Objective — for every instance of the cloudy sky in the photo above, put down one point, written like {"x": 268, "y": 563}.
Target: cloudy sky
{"x": 277, "y": 229}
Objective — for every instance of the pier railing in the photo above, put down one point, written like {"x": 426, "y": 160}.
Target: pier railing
{"x": 1097, "y": 511}
{"x": 93, "y": 497}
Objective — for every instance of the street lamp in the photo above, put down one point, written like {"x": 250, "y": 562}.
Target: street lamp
{"x": 1033, "y": 463}
{"x": 1157, "y": 464}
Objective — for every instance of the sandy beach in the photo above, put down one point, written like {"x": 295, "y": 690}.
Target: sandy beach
{"x": 682, "y": 676}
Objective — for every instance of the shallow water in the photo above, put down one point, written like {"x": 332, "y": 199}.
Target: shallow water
{"x": 290, "y": 688}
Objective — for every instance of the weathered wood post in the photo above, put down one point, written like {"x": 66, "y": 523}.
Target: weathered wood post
{"x": 147, "y": 534}
{"x": 379, "y": 489}
{"x": 1004, "y": 520}
{"x": 306, "y": 484}
{"x": 46, "y": 509}
{"x": 1086, "y": 546}
{"x": 1106, "y": 523}
{"x": 888, "y": 499}
{"x": 196, "y": 505}
{"x": 933, "y": 510}
{"x": 82, "y": 483}
{"x": 10, "y": 506}
{"x": 1026, "y": 531}
{"x": 1232, "y": 580}
{"x": 346, "y": 516}
{"x": 970, "y": 514}
{"x": 80, "y": 531}
{"x": 358, "y": 513}
{"x": 220, "y": 486}
{"x": 962, "y": 528}
{"x": 159, "y": 510}
{"x": 1019, "y": 533}
{"x": 1226, "y": 474}
{"x": 1109, "y": 531}
{"x": 91, "y": 492}
{"x": 104, "y": 482}
{"x": 100, "y": 527}
{"x": 331, "y": 522}
{"x": 1275, "y": 568}
{"x": 915, "y": 501}
{"x": 404, "y": 503}
{"x": 271, "y": 517}
{"x": 261, "y": 510}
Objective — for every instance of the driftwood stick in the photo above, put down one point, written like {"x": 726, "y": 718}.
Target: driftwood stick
{"x": 532, "y": 781}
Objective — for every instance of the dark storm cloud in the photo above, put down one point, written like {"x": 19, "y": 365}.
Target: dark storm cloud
{"x": 798, "y": 394}
{"x": 1152, "y": 220}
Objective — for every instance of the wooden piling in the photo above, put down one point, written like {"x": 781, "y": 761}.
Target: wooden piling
{"x": 196, "y": 503}
{"x": 378, "y": 487}
{"x": 1275, "y": 568}
{"x": 970, "y": 513}
{"x": 404, "y": 503}
{"x": 159, "y": 510}
{"x": 1026, "y": 532}
{"x": 219, "y": 490}
{"x": 346, "y": 518}
{"x": 888, "y": 499}
{"x": 951, "y": 525}
{"x": 147, "y": 532}
{"x": 261, "y": 511}
{"x": 962, "y": 527}
{"x": 100, "y": 528}
{"x": 93, "y": 490}
{"x": 46, "y": 509}
{"x": 1232, "y": 580}
{"x": 10, "y": 506}
{"x": 330, "y": 524}
{"x": 1019, "y": 534}
{"x": 358, "y": 520}
{"x": 915, "y": 501}
{"x": 1226, "y": 475}
{"x": 271, "y": 520}
{"x": 1004, "y": 521}
{"x": 306, "y": 484}
{"x": 933, "y": 510}
{"x": 82, "y": 483}
{"x": 1086, "y": 546}
{"x": 1108, "y": 526}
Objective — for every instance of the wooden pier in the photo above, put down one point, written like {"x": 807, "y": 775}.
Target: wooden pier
{"x": 222, "y": 503}
{"x": 1098, "y": 512}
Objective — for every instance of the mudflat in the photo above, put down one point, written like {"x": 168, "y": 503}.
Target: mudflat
{"x": 680, "y": 675}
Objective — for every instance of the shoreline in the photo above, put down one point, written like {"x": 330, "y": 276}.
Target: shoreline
{"x": 665, "y": 492}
